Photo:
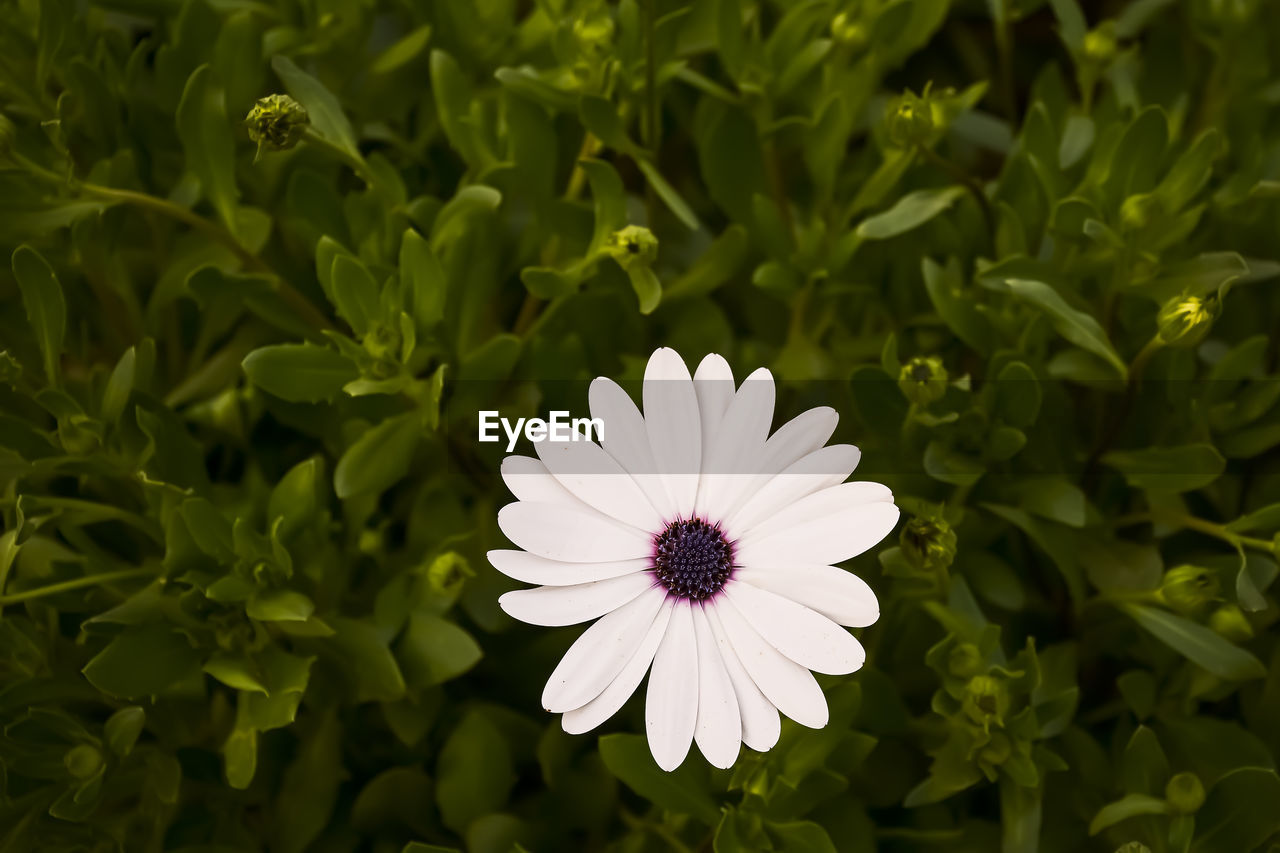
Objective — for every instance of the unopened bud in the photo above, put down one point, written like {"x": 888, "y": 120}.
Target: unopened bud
{"x": 909, "y": 120}
{"x": 1184, "y": 321}
{"x": 1137, "y": 211}
{"x": 448, "y": 573}
{"x": 923, "y": 379}
{"x": 82, "y": 761}
{"x": 849, "y": 31}
{"x": 965, "y": 660}
{"x": 1185, "y": 793}
{"x": 1187, "y": 589}
{"x": 633, "y": 246}
{"x": 986, "y": 700}
{"x": 1230, "y": 622}
{"x": 277, "y": 122}
{"x": 594, "y": 32}
{"x": 928, "y": 543}
{"x": 1100, "y": 43}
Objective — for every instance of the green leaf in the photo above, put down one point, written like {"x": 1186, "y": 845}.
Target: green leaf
{"x": 379, "y": 458}
{"x": 403, "y": 51}
{"x": 434, "y": 650}
{"x": 1197, "y": 643}
{"x": 668, "y": 194}
{"x": 367, "y": 660}
{"x": 123, "y": 728}
{"x": 208, "y": 145}
{"x": 1168, "y": 469}
{"x": 1074, "y": 325}
{"x": 453, "y": 98}
{"x": 296, "y": 498}
{"x": 322, "y": 106}
{"x": 143, "y": 661}
{"x": 683, "y": 791}
{"x": 609, "y": 199}
{"x": 309, "y": 788}
{"x": 1131, "y": 805}
{"x": 240, "y": 757}
{"x": 1239, "y": 813}
{"x": 300, "y": 373}
{"x": 474, "y": 773}
{"x": 45, "y": 304}
{"x": 356, "y": 294}
{"x": 234, "y": 671}
{"x": 119, "y": 386}
{"x": 422, "y": 281}
{"x": 280, "y": 605}
{"x": 911, "y": 211}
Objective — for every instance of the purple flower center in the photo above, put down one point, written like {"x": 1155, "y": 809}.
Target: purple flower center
{"x": 692, "y": 559}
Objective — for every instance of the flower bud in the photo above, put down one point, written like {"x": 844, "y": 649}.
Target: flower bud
{"x": 1185, "y": 793}
{"x": 928, "y": 543}
{"x": 1230, "y": 622}
{"x": 1187, "y": 589}
{"x": 448, "y": 573}
{"x": 923, "y": 379}
{"x": 965, "y": 660}
{"x": 277, "y": 122}
{"x": 1137, "y": 211}
{"x": 1100, "y": 43}
{"x": 1184, "y": 321}
{"x": 848, "y": 31}
{"x": 633, "y": 246}
{"x": 986, "y": 700}
{"x": 82, "y": 761}
{"x": 594, "y": 32}
{"x": 909, "y": 120}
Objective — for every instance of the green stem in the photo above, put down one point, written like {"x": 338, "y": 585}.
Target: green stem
{"x": 213, "y": 230}
{"x": 99, "y": 510}
{"x": 650, "y": 129}
{"x": 356, "y": 164}
{"x": 1200, "y": 525}
{"x": 78, "y": 583}
{"x": 968, "y": 182}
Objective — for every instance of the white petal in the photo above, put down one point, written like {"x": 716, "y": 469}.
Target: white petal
{"x": 529, "y": 480}
{"x": 605, "y": 705}
{"x": 713, "y": 382}
{"x": 570, "y": 605}
{"x": 738, "y": 447}
{"x": 790, "y": 687}
{"x": 674, "y": 425}
{"x": 807, "y": 637}
{"x": 797, "y": 438}
{"x": 817, "y": 539}
{"x": 597, "y": 657}
{"x": 596, "y": 478}
{"x": 671, "y": 704}
{"x": 719, "y": 730}
{"x": 841, "y": 596}
{"x": 825, "y": 467}
{"x": 530, "y": 568}
{"x": 626, "y": 439}
{"x": 571, "y": 533}
{"x": 761, "y": 727}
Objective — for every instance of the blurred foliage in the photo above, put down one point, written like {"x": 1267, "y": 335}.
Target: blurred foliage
{"x": 1028, "y": 251}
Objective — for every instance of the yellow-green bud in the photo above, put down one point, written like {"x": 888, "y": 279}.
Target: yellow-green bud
{"x": 277, "y": 122}
{"x": 1187, "y": 589}
{"x": 448, "y": 573}
{"x": 1184, "y": 321}
{"x": 1100, "y": 43}
{"x": 997, "y": 750}
{"x": 986, "y": 700}
{"x": 1230, "y": 622}
{"x": 928, "y": 543}
{"x": 848, "y": 31}
{"x": 1185, "y": 793}
{"x": 594, "y": 32}
{"x": 923, "y": 379}
{"x": 909, "y": 120}
{"x": 633, "y": 246}
{"x": 82, "y": 761}
{"x": 965, "y": 660}
{"x": 1137, "y": 211}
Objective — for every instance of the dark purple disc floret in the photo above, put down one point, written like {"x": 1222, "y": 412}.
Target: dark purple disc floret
{"x": 692, "y": 559}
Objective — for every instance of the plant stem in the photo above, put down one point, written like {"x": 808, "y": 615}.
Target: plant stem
{"x": 77, "y": 583}
{"x": 1200, "y": 525}
{"x": 356, "y": 164}
{"x": 968, "y": 182}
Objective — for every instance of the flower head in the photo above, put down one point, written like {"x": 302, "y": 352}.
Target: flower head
{"x": 705, "y": 550}
{"x": 633, "y": 246}
{"x": 277, "y": 122}
{"x": 1185, "y": 792}
{"x": 1184, "y": 321}
{"x": 923, "y": 379}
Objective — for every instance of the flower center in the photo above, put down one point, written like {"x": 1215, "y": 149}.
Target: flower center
{"x": 692, "y": 559}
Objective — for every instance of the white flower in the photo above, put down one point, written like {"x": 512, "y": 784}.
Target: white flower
{"x": 702, "y": 546}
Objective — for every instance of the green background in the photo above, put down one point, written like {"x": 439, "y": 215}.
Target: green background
{"x": 1027, "y": 251}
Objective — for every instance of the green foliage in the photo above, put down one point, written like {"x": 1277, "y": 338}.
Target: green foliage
{"x": 268, "y": 259}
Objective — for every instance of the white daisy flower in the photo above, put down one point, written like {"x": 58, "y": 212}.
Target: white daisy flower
{"x": 705, "y": 548}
